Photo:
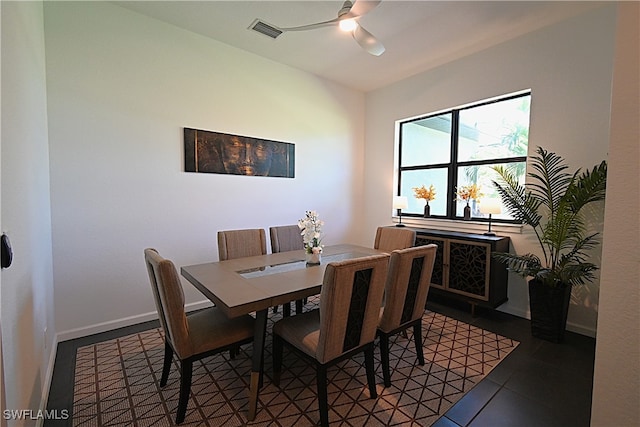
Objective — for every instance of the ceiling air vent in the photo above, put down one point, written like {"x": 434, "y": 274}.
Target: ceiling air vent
{"x": 264, "y": 28}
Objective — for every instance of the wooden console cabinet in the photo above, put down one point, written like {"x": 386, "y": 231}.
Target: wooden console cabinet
{"x": 464, "y": 268}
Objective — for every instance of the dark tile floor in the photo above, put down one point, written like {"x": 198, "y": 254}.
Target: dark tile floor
{"x": 538, "y": 384}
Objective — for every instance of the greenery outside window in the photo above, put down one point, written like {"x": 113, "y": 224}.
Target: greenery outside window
{"x": 460, "y": 147}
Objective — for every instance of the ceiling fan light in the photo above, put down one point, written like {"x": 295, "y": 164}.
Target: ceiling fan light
{"x": 348, "y": 25}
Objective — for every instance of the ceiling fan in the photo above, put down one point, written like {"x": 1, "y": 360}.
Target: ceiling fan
{"x": 347, "y": 19}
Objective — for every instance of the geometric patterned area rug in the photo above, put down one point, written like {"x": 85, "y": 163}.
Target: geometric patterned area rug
{"x": 117, "y": 382}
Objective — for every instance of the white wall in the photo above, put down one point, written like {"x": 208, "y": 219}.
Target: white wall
{"x": 120, "y": 89}
{"x": 616, "y": 386}
{"x": 3, "y": 395}
{"x": 568, "y": 68}
{"x": 27, "y": 286}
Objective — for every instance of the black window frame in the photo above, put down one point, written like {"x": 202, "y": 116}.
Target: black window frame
{"x": 454, "y": 165}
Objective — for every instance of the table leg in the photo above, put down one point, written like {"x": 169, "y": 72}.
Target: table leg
{"x": 257, "y": 361}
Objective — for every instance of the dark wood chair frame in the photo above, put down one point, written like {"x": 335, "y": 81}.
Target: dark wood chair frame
{"x": 186, "y": 371}
{"x": 321, "y": 371}
{"x": 384, "y": 346}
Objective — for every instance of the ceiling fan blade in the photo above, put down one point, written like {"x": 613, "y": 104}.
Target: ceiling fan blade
{"x": 313, "y": 26}
{"x": 367, "y": 41}
{"x": 361, "y": 7}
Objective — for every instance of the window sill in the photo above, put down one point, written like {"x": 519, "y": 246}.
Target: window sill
{"x": 461, "y": 226}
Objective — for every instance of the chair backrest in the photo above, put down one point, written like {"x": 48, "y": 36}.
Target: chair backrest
{"x": 169, "y": 297}
{"x": 407, "y": 285}
{"x": 241, "y": 243}
{"x": 350, "y": 303}
{"x": 391, "y": 238}
{"x": 285, "y": 238}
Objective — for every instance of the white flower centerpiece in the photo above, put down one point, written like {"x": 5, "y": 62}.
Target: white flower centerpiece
{"x": 311, "y": 227}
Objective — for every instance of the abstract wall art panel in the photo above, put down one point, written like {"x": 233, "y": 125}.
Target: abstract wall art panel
{"x": 215, "y": 152}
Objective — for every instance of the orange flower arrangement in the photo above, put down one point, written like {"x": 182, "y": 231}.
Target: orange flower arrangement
{"x": 469, "y": 192}
{"x": 424, "y": 193}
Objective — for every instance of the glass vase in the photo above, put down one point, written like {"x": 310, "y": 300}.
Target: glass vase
{"x": 313, "y": 258}
{"x": 427, "y": 210}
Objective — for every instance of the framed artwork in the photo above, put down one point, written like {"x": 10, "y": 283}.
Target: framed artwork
{"x": 215, "y": 152}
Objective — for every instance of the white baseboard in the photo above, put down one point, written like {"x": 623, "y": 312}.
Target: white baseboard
{"x": 581, "y": 329}
{"x": 120, "y": 323}
{"x": 572, "y": 327}
{"x": 90, "y": 330}
{"x": 48, "y": 378}
{"x": 515, "y": 312}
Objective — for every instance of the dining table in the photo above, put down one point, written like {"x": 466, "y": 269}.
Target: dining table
{"x": 255, "y": 284}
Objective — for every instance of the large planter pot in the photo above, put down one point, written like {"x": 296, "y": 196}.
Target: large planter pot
{"x": 549, "y": 308}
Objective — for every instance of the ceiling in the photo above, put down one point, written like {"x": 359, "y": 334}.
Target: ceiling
{"x": 418, "y": 35}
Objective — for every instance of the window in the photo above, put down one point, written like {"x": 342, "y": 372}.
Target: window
{"x": 460, "y": 147}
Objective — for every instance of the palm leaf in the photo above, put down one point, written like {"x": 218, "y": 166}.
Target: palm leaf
{"x": 589, "y": 187}
{"x": 525, "y": 265}
{"x": 577, "y": 273}
{"x": 520, "y": 204}
{"x": 562, "y": 229}
{"x": 549, "y": 179}
{"x": 578, "y": 252}
{"x": 551, "y": 204}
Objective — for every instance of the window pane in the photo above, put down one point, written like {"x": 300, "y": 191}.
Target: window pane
{"x": 426, "y": 141}
{"x": 426, "y": 177}
{"x": 494, "y": 131}
{"x": 483, "y": 176}
{"x": 432, "y": 151}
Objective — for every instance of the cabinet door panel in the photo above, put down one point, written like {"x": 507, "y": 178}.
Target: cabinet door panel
{"x": 469, "y": 268}
{"x": 464, "y": 269}
{"x": 437, "y": 277}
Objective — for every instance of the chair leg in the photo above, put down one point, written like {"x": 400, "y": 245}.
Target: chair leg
{"x": 371, "y": 371}
{"x": 261, "y": 379}
{"x": 286, "y": 310}
{"x": 233, "y": 352}
{"x": 323, "y": 407}
{"x": 384, "y": 357}
{"x": 185, "y": 389}
{"x": 275, "y": 309}
{"x": 166, "y": 366}
{"x": 417, "y": 335}
{"x": 299, "y": 306}
{"x": 277, "y": 359}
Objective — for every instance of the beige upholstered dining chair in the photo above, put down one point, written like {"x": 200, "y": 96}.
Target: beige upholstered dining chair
{"x": 287, "y": 238}
{"x": 241, "y": 243}
{"x": 391, "y": 238}
{"x": 190, "y": 337}
{"x": 344, "y": 325}
{"x": 406, "y": 290}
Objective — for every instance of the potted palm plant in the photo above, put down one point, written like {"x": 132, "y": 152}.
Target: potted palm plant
{"x": 552, "y": 204}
